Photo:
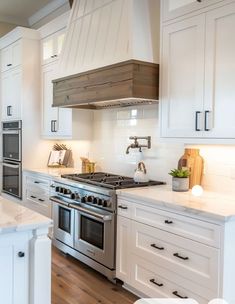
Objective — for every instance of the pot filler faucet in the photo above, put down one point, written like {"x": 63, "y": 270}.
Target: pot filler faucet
{"x": 136, "y": 144}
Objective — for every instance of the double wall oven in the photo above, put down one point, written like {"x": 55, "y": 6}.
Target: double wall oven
{"x": 84, "y": 214}
{"x": 12, "y": 158}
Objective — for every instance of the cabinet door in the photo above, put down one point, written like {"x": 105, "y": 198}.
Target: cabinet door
{"x": 6, "y": 62}
{"x": 14, "y": 259}
{"x": 57, "y": 122}
{"x": 6, "y": 93}
{"x": 122, "y": 258}
{"x": 51, "y": 47}
{"x": 219, "y": 73}
{"x": 182, "y": 78}
{"x": 176, "y": 8}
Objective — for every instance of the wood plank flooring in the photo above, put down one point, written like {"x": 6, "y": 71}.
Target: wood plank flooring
{"x": 75, "y": 283}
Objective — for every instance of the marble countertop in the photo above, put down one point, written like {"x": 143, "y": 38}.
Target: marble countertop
{"x": 14, "y": 217}
{"x": 52, "y": 172}
{"x": 212, "y": 205}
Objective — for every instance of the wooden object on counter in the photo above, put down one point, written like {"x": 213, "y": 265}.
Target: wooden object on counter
{"x": 193, "y": 161}
{"x": 87, "y": 166}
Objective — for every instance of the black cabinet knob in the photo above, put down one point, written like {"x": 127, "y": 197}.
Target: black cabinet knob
{"x": 21, "y": 254}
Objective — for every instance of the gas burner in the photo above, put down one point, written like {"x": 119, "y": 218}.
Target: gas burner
{"x": 109, "y": 180}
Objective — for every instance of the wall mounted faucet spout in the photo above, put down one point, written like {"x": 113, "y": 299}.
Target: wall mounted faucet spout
{"x": 137, "y": 145}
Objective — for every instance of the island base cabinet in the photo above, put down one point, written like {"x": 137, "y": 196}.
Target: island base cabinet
{"x": 14, "y": 265}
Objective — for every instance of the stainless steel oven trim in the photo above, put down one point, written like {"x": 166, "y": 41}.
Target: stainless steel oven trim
{"x": 14, "y": 165}
{"x": 12, "y": 131}
{"x": 59, "y": 234}
{"x": 105, "y": 256}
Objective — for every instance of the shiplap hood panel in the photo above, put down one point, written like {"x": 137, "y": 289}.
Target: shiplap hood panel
{"x": 101, "y": 33}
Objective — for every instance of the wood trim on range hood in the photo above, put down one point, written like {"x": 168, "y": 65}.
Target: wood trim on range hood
{"x": 127, "y": 83}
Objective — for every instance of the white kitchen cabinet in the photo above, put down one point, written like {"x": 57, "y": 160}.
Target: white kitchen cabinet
{"x": 56, "y": 122}
{"x": 182, "y": 81}
{"x": 14, "y": 263}
{"x": 51, "y": 47}
{"x": 219, "y": 72}
{"x": 163, "y": 253}
{"x": 11, "y": 56}
{"x": 36, "y": 194}
{"x": 123, "y": 233}
{"x": 176, "y": 8}
{"x": 197, "y": 76}
{"x": 11, "y": 92}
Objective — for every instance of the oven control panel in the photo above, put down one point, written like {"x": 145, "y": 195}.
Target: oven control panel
{"x": 83, "y": 196}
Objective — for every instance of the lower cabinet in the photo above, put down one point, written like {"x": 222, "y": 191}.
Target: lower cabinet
{"x": 36, "y": 194}
{"x": 14, "y": 263}
{"x": 154, "y": 262}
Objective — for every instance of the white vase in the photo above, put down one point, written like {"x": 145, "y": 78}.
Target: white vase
{"x": 180, "y": 184}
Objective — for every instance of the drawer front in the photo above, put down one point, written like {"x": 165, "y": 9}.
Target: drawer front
{"x": 124, "y": 208}
{"x": 155, "y": 282}
{"x": 38, "y": 184}
{"x": 192, "y": 260}
{"x": 204, "y": 232}
{"x": 38, "y": 203}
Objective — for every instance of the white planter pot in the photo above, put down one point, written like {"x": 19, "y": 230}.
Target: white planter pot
{"x": 180, "y": 184}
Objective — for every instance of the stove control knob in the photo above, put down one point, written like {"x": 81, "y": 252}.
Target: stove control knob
{"x": 62, "y": 190}
{"x": 95, "y": 200}
{"x": 57, "y": 189}
{"x": 90, "y": 199}
{"x": 72, "y": 196}
{"x": 100, "y": 202}
{"x": 84, "y": 199}
{"x": 105, "y": 203}
{"x": 66, "y": 191}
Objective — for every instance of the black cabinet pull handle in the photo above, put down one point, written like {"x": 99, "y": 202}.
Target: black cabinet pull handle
{"x": 196, "y": 121}
{"x": 36, "y": 182}
{"x": 32, "y": 196}
{"x": 9, "y": 64}
{"x": 155, "y": 246}
{"x": 21, "y": 254}
{"x": 154, "y": 282}
{"x": 180, "y": 257}
{"x": 199, "y": 1}
{"x": 175, "y": 293}
{"x": 168, "y": 222}
{"x": 52, "y": 124}
{"x": 206, "y": 121}
{"x": 55, "y": 125}
{"x": 122, "y": 207}
{"x": 9, "y": 111}
{"x": 41, "y": 200}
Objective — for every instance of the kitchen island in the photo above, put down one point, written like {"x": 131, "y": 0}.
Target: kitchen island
{"x": 25, "y": 255}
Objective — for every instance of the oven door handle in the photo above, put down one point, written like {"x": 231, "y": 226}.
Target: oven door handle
{"x": 59, "y": 201}
{"x": 85, "y": 211}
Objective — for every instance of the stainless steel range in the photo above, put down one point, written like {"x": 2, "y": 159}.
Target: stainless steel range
{"x": 84, "y": 213}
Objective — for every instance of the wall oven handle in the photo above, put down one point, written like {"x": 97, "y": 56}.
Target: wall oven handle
{"x": 102, "y": 217}
{"x": 11, "y": 165}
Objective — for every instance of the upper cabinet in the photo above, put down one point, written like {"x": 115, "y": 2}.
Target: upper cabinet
{"x": 175, "y": 8}
{"x": 11, "y": 56}
{"x": 51, "y": 47}
{"x": 197, "y": 76}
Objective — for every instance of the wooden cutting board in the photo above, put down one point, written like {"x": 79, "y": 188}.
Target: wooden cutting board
{"x": 192, "y": 161}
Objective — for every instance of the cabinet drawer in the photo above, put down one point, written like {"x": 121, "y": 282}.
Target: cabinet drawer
{"x": 204, "y": 232}
{"x": 155, "y": 282}
{"x": 124, "y": 208}
{"x": 38, "y": 203}
{"x": 191, "y": 259}
{"x": 38, "y": 184}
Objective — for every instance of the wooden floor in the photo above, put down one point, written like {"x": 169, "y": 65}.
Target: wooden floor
{"x": 75, "y": 283}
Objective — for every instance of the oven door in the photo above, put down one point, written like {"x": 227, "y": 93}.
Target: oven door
{"x": 63, "y": 218}
{"x": 11, "y": 178}
{"x": 11, "y": 145}
{"x": 95, "y": 235}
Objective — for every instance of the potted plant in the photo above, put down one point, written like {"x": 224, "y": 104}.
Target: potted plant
{"x": 180, "y": 180}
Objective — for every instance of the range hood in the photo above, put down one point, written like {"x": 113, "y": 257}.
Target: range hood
{"x": 110, "y": 55}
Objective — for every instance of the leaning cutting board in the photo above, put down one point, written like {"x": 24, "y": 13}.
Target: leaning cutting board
{"x": 192, "y": 161}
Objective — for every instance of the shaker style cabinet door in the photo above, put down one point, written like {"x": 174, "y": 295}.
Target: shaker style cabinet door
{"x": 11, "y": 93}
{"x": 14, "y": 260}
{"x": 11, "y": 56}
{"x": 176, "y": 8}
{"x": 220, "y": 73}
{"x": 56, "y": 122}
{"x": 182, "y": 78}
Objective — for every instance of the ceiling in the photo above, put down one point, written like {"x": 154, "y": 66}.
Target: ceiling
{"x": 18, "y": 12}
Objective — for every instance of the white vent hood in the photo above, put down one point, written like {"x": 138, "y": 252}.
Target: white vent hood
{"x": 105, "y": 32}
